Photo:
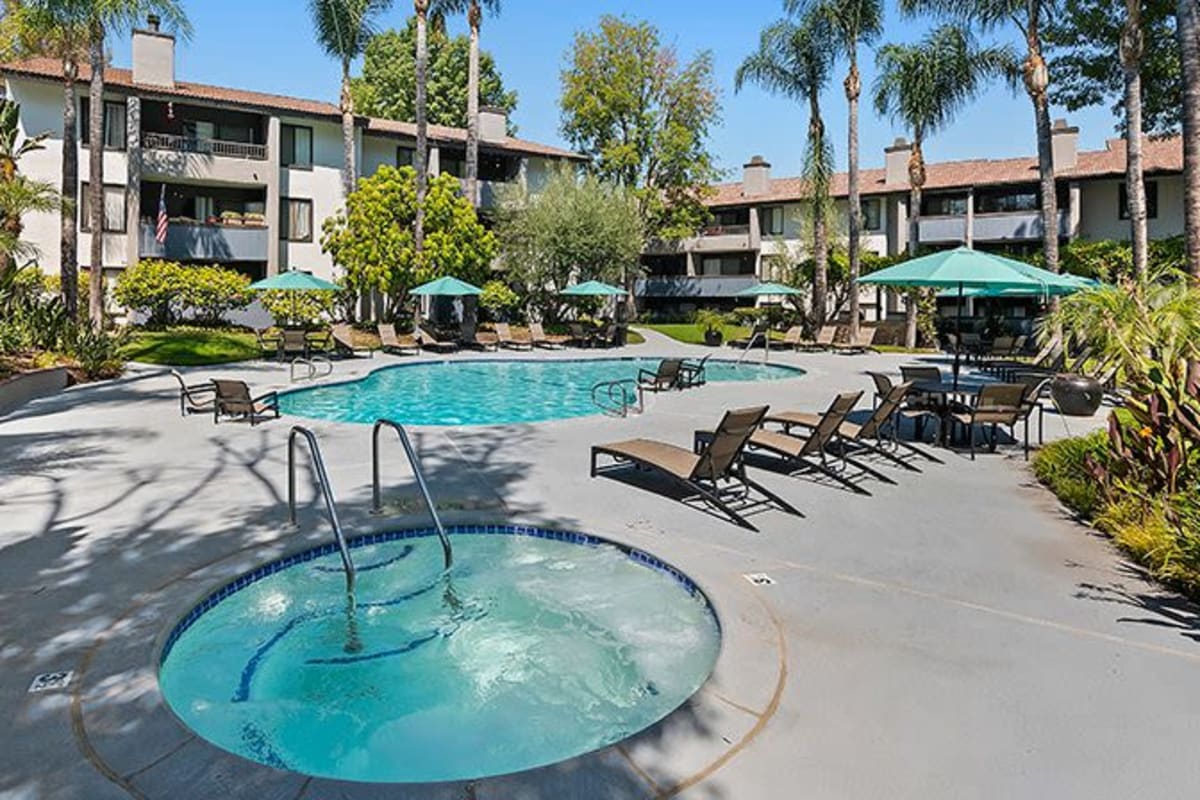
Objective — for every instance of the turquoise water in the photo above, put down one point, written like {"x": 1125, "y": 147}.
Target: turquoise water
{"x": 530, "y": 651}
{"x": 479, "y": 392}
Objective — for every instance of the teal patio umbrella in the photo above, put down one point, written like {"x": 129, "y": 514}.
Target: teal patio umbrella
{"x": 768, "y": 289}
{"x": 963, "y": 268}
{"x": 447, "y": 287}
{"x": 593, "y": 289}
{"x": 294, "y": 280}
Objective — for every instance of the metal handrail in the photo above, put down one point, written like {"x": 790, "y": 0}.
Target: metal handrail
{"x": 326, "y": 491}
{"x": 415, "y": 463}
{"x": 754, "y": 338}
{"x": 620, "y": 406}
{"x": 311, "y": 363}
{"x": 153, "y": 140}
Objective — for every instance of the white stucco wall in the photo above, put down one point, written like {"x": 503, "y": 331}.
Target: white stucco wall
{"x": 322, "y": 184}
{"x": 1099, "y": 213}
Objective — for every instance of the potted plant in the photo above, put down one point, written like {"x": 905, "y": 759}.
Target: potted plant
{"x": 713, "y": 324}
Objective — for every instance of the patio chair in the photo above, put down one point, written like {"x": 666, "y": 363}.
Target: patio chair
{"x": 1042, "y": 359}
{"x": 1002, "y": 346}
{"x": 866, "y": 336}
{"x": 791, "y": 340}
{"x": 391, "y": 343}
{"x": 342, "y": 337}
{"x": 194, "y": 398}
{"x": 665, "y": 378}
{"x": 430, "y": 341}
{"x": 579, "y": 336}
{"x": 716, "y": 473}
{"x": 610, "y": 336}
{"x": 268, "y": 343}
{"x": 921, "y": 406}
{"x": 233, "y": 400}
{"x": 810, "y": 453}
{"x": 692, "y": 374}
{"x": 294, "y": 344}
{"x": 1035, "y": 384}
{"x": 823, "y": 340}
{"x": 539, "y": 338}
{"x": 995, "y": 405}
{"x": 506, "y": 338}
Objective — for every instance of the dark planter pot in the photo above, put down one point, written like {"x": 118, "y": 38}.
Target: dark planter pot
{"x": 713, "y": 338}
{"x": 1076, "y": 395}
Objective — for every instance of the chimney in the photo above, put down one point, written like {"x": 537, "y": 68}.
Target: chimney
{"x": 895, "y": 161}
{"x": 493, "y": 124}
{"x": 756, "y": 177}
{"x": 1064, "y": 142}
{"x": 153, "y": 55}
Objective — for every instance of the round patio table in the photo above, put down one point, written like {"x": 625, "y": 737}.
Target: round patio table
{"x": 964, "y": 392}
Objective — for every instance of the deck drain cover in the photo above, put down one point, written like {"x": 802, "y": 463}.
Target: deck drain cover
{"x": 51, "y": 681}
{"x": 759, "y": 578}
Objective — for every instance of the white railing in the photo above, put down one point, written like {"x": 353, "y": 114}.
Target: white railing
{"x": 208, "y": 147}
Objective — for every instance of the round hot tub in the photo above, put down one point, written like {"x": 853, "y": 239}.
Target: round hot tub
{"x": 535, "y": 647}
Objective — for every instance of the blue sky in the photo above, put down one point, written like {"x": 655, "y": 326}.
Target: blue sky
{"x": 267, "y": 45}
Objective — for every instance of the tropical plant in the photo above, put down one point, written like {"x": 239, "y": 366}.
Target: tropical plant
{"x": 854, "y": 23}
{"x": 571, "y": 230}
{"x": 498, "y": 299}
{"x": 20, "y": 196}
{"x": 374, "y": 241}
{"x": 344, "y": 28}
{"x": 97, "y": 351}
{"x": 923, "y": 86}
{"x": 794, "y": 60}
{"x": 1028, "y": 17}
{"x": 711, "y": 321}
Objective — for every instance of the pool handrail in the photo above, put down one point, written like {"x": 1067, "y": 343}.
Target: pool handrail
{"x": 630, "y": 396}
{"x": 318, "y": 462}
{"x": 415, "y": 463}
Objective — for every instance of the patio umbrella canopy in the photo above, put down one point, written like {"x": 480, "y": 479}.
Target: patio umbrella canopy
{"x": 447, "y": 287}
{"x": 768, "y": 289}
{"x": 294, "y": 280}
{"x": 593, "y": 289}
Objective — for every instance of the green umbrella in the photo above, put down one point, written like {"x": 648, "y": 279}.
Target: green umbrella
{"x": 294, "y": 280}
{"x": 446, "y": 287}
{"x": 767, "y": 289}
{"x": 594, "y": 289}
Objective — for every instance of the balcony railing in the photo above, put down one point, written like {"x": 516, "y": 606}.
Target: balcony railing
{"x": 726, "y": 230}
{"x": 207, "y": 147}
{"x": 684, "y": 286}
{"x": 194, "y": 242}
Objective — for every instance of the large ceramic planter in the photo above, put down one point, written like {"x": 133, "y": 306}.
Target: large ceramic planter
{"x": 1076, "y": 395}
{"x": 713, "y": 338}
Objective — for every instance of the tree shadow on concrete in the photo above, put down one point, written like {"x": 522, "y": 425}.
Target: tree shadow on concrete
{"x": 1159, "y": 607}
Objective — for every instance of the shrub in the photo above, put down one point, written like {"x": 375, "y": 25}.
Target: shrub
{"x": 98, "y": 352}
{"x": 1067, "y": 468}
{"x": 210, "y": 292}
{"x": 305, "y": 309}
{"x": 498, "y": 299}
{"x": 165, "y": 290}
{"x": 711, "y": 321}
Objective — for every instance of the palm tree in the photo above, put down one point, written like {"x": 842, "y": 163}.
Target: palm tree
{"x": 474, "y": 9}
{"x": 421, "y": 8}
{"x": 853, "y": 22}
{"x": 343, "y": 28}
{"x": 923, "y": 86}
{"x": 12, "y": 148}
{"x": 795, "y": 60}
{"x": 20, "y": 196}
{"x": 1131, "y": 58}
{"x": 1187, "y": 24}
{"x": 1027, "y": 16}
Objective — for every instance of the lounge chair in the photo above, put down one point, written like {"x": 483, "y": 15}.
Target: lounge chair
{"x": 715, "y": 473}
{"x": 430, "y": 341}
{"x": 342, "y": 337}
{"x": 791, "y": 340}
{"x": 609, "y": 336}
{"x": 539, "y": 338}
{"x": 866, "y": 337}
{"x": 665, "y": 378}
{"x": 506, "y": 339}
{"x": 996, "y": 404}
{"x": 1001, "y": 346}
{"x": 1035, "y": 386}
{"x": 916, "y": 408}
{"x": 294, "y": 344}
{"x": 391, "y": 343}
{"x": 692, "y": 373}
{"x": 194, "y": 398}
{"x": 268, "y": 343}
{"x": 233, "y": 400}
{"x": 809, "y": 453}
{"x": 473, "y": 338}
{"x": 581, "y": 337}
{"x": 823, "y": 341}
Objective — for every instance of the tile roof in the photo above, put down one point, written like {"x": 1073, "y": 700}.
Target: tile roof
{"x": 1159, "y": 156}
{"x": 50, "y": 68}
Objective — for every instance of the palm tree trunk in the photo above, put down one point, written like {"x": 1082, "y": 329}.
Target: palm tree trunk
{"x": 420, "y": 162}
{"x": 820, "y": 268}
{"x": 473, "y": 18}
{"x": 916, "y": 183}
{"x": 853, "y": 88}
{"x": 349, "y": 173}
{"x": 1036, "y": 82}
{"x": 1187, "y": 17}
{"x": 96, "y": 177}
{"x": 68, "y": 269}
{"x": 1131, "y": 55}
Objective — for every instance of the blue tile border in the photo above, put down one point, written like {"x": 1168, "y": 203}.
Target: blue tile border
{"x": 572, "y": 537}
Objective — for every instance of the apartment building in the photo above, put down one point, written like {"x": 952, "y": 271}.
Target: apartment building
{"x": 247, "y": 177}
{"x": 984, "y": 203}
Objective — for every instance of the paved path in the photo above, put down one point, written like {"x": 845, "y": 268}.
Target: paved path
{"x": 953, "y": 635}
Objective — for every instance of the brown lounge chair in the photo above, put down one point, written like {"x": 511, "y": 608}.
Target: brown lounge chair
{"x": 539, "y": 338}
{"x": 995, "y": 405}
{"x": 716, "y": 473}
{"x": 580, "y": 337}
{"x": 791, "y": 340}
{"x": 194, "y": 398}
{"x": 866, "y": 337}
{"x": 294, "y": 344}
{"x": 430, "y": 341}
{"x": 342, "y": 337}
{"x": 391, "y": 343}
{"x": 477, "y": 340}
{"x": 824, "y": 340}
{"x": 268, "y": 343}
{"x": 508, "y": 340}
{"x": 692, "y": 373}
{"x": 233, "y": 400}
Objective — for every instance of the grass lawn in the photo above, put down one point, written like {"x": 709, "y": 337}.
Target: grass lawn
{"x": 191, "y": 347}
{"x": 691, "y": 333}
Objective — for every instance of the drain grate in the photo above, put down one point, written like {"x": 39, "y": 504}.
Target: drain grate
{"x": 51, "y": 681}
{"x": 759, "y": 579}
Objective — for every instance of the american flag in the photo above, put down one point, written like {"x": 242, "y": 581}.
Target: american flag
{"x": 160, "y": 232}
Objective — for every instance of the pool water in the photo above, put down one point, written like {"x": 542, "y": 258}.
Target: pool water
{"x": 537, "y": 646}
{"x": 477, "y": 392}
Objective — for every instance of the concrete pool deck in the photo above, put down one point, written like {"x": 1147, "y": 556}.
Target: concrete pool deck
{"x": 953, "y": 635}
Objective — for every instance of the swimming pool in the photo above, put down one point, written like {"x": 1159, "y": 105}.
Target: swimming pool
{"x": 489, "y": 392}
{"x": 537, "y": 646}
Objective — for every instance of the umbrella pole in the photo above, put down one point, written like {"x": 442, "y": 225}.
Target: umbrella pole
{"x": 958, "y": 334}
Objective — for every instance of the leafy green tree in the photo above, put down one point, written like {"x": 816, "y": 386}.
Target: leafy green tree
{"x": 574, "y": 229}
{"x": 343, "y": 29}
{"x": 923, "y": 86}
{"x": 643, "y": 119}
{"x": 795, "y": 60}
{"x": 498, "y": 299}
{"x": 854, "y": 23}
{"x": 387, "y": 85}
{"x": 374, "y": 239}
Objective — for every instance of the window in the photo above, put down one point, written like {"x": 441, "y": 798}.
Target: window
{"x": 453, "y": 162}
{"x": 295, "y": 223}
{"x": 1009, "y": 199}
{"x": 405, "y": 156}
{"x": 1151, "y": 200}
{"x": 772, "y": 221}
{"x": 872, "y": 214}
{"x": 497, "y": 168}
{"x": 943, "y": 205}
{"x": 114, "y": 209}
{"x": 114, "y": 124}
{"x": 727, "y": 265}
{"x": 297, "y": 146}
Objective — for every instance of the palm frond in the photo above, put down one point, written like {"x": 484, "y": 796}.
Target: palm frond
{"x": 344, "y": 27}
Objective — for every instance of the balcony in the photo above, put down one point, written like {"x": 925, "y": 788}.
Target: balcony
{"x": 204, "y": 147}
{"x": 943, "y": 229}
{"x": 188, "y": 242}
{"x": 1015, "y": 225}
{"x": 697, "y": 286}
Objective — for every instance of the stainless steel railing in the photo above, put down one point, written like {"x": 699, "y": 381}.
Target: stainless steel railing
{"x": 415, "y": 463}
{"x": 617, "y": 397}
{"x": 322, "y": 475}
